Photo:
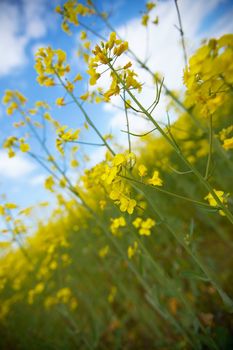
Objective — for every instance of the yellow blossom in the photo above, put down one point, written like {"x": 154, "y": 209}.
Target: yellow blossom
{"x": 155, "y": 180}
{"x": 78, "y": 77}
{"x": 212, "y": 201}
{"x": 142, "y": 170}
{"x": 144, "y": 226}
{"x": 116, "y": 224}
{"x": 49, "y": 183}
{"x": 24, "y": 147}
{"x": 127, "y": 204}
{"x": 132, "y": 250}
{"x": 228, "y": 144}
{"x": 145, "y": 19}
{"x": 103, "y": 252}
{"x": 60, "y": 101}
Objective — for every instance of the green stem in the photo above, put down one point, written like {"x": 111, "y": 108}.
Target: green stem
{"x": 155, "y": 188}
{"x": 225, "y": 298}
{"x": 127, "y": 123}
{"x": 169, "y": 284}
{"x": 89, "y": 121}
{"x": 177, "y": 150}
{"x": 166, "y": 89}
{"x": 210, "y": 148}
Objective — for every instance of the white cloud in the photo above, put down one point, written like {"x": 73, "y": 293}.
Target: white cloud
{"x": 96, "y": 156}
{"x": 16, "y": 167}
{"x": 164, "y": 52}
{"x": 20, "y": 23}
{"x": 12, "y": 46}
{"x": 35, "y": 22}
{"x": 37, "y": 180}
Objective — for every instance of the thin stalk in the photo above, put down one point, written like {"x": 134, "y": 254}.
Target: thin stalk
{"x": 166, "y": 89}
{"x": 225, "y": 298}
{"x": 156, "y": 188}
{"x": 142, "y": 281}
{"x": 169, "y": 284}
{"x": 177, "y": 150}
{"x": 17, "y": 240}
{"x": 180, "y": 28}
{"x": 210, "y": 147}
{"x": 87, "y": 143}
{"x": 89, "y": 121}
{"x": 102, "y": 226}
{"x": 127, "y": 123}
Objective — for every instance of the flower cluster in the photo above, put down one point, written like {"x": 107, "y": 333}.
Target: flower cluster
{"x": 104, "y": 251}
{"x": 63, "y": 296}
{"x": 212, "y": 201}
{"x": 144, "y": 226}
{"x": 226, "y": 138}
{"x": 70, "y": 12}
{"x": 107, "y": 54}
{"x": 65, "y": 135}
{"x": 13, "y": 142}
{"x": 119, "y": 191}
{"x": 116, "y": 224}
{"x": 132, "y": 249}
{"x": 14, "y": 100}
{"x": 155, "y": 180}
{"x": 50, "y": 63}
{"x": 146, "y": 16}
{"x": 209, "y": 76}
{"x": 39, "y": 288}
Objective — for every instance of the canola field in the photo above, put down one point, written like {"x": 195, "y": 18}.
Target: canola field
{"x": 137, "y": 253}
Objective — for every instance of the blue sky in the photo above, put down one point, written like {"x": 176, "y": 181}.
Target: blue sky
{"x": 26, "y": 25}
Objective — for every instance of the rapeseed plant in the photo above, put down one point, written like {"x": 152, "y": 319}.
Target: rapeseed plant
{"x": 121, "y": 264}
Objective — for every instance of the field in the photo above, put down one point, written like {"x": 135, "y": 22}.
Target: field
{"x": 137, "y": 252}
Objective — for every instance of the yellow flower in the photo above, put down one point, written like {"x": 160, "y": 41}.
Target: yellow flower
{"x": 83, "y": 35}
{"x": 64, "y": 295}
{"x": 145, "y": 19}
{"x": 127, "y": 204}
{"x": 144, "y": 226}
{"x": 78, "y": 77}
{"x": 50, "y": 62}
{"x": 69, "y": 86}
{"x": 85, "y": 96}
{"x": 155, "y": 180}
{"x": 137, "y": 222}
{"x": 49, "y": 183}
{"x": 11, "y": 206}
{"x": 119, "y": 159}
{"x": 2, "y": 210}
{"x": 103, "y": 252}
{"x": 102, "y": 204}
{"x": 142, "y": 170}
{"x": 228, "y": 144}
{"x": 212, "y": 201}
{"x": 150, "y": 6}
{"x": 109, "y": 175}
{"x": 74, "y": 163}
{"x": 132, "y": 250}
{"x": 24, "y": 147}
{"x": 116, "y": 224}
{"x": 60, "y": 101}
{"x": 39, "y": 288}
{"x": 87, "y": 45}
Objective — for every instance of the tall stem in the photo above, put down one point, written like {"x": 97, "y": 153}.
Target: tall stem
{"x": 177, "y": 150}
